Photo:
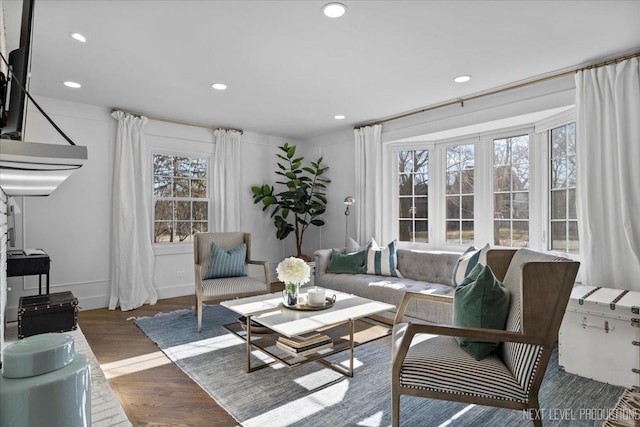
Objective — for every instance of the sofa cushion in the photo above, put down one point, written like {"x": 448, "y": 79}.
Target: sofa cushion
{"x": 382, "y": 261}
{"x": 427, "y": 266}
{"x": 467, "y": 261}
{"x": 480, "y": 301}
{"x": 226, "y": 263}
{"x": 346, "y": 263}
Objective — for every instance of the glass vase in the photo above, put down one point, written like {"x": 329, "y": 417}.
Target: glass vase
{"x": 290, "y": 294}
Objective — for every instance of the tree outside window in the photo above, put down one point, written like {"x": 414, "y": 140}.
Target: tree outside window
{"x": 181, "y": 206}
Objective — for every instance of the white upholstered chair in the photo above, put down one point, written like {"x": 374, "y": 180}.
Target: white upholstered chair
{"x": 436, "y": 367}
{"x": 226, "y": 287}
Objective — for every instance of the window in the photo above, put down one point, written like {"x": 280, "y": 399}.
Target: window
{"x": 563, "y": 224}
{"x": 511, "y": 191}
{"x": 181, "y": 206}
{"x": 413, "y": 191}
{"x": 459, "y": 194}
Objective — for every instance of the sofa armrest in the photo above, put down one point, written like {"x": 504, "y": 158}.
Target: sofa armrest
{"x": 322, "y": 258}
{"x": 408, "y": 296}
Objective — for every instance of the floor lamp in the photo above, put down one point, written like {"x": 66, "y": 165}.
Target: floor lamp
{"x": 348, "y": 201}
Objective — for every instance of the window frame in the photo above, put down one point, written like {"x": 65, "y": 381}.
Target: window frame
{"x": 184, "y": 246}
{"x": 483, "y": 195}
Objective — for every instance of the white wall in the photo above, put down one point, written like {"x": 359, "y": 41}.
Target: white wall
{"x": 73, "y": 225}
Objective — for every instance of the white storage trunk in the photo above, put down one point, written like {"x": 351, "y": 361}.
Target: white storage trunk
{"x": 600, "y": 335}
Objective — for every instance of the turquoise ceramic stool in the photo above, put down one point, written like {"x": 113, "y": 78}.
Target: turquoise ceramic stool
{"x": 44, "y": 383}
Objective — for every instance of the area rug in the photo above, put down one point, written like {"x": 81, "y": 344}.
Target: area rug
{"x": 312, "y": 394}
{"x": 627, "y": 411}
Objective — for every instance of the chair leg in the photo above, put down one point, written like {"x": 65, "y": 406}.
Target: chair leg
{"x": 199, "y": 314}
{"x": 395, "y": 407}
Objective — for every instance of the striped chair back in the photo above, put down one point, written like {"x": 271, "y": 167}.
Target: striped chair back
{"x": 227, "y": 241}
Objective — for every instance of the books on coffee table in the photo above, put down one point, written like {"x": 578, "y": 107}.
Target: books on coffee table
{"x": 303, "y": 346}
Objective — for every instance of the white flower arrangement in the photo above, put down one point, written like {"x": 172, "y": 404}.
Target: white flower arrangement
{"x": 293, "y": 270}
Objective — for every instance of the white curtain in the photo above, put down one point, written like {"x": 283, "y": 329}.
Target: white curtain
{"x": 226, "y": 180}
{"x": 132, "y": 255}
{"x": 608, "y": 174}
{"x": 368, "y": 193}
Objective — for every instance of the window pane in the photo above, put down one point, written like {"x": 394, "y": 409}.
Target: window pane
{"x": 571, "y": 139}
{"x": 183, "y": 166}
{"x": 199, "y": 188}
{"x": 162, "y": 186}
{"x": 467, "y": 232}
{"x": 520, "y": 234}
{"x": 558, "y": 204}
{"x": 571, "y": 202}
{"x": 453, "y": 158}
{"x": 520, "y": 177}
{"x": 162, "y": 232}
{"x": 558, "y": 142}
{"x": 572, "y": 241}
{"x": 422, "y": 232}
{"x": 404, "y": 185}
{"x": 200, "y": 227}
{"x": 405, "y": 230}
{"x": 453, "y": 207}
{"x": 502, "y": 208}
{"x": 520, "y": 206}
{"x": 502, "y": 178}
{"x": 405, "y": 162}
{"x": 467, "y": 207}
{"x": 181, "y": 187}
{"x": 453, "y": 232}
{"x": 421, "y": 162}
{"x": 559, "y": 236}
{"x": 199, "y": 168}
{"x": 200, "y": 211}
{"x": 502, "y": 233}
{"x": 422, "y": 184}
{"x": 571, "y": 171}
{"x": 183, "y": 211}
{"x": 406, "y": 208}
{"x": 559, "y": 173}
{"x": 163, "y": 210}
{"x": 183, "y": 231}
{"x": 453, "y": 183}
{"x": 500, "y": 153}
{"x": 162, "y": 165}
{"x": 466, "y": 178}
{"x": 421, "y": 207}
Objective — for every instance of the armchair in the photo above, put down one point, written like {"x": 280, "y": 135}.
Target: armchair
{"x": 434, "y": 366}
{"x": 227, "y": 287}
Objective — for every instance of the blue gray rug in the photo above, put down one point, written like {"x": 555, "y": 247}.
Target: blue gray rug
{"x": 313, "y": 395}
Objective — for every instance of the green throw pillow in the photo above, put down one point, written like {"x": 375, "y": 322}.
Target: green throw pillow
{"x": 480, "y": 301}
{"x": 226, "y": 263}
{"x": 347, "y": 263}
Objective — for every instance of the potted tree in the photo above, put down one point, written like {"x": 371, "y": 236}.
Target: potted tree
{"x": 302, "y": 200}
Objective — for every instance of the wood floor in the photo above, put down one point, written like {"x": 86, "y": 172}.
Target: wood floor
{"x": 152, "y": 390}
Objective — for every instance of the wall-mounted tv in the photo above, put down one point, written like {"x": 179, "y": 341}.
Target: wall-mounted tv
{"x": 12, "y": 96}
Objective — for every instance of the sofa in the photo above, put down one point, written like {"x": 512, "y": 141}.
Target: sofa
{"x": 428, "y": 272}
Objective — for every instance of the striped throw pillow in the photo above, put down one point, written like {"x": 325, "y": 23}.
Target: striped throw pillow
{"x": 382, "y": 261}
{"x": 226, "y": 264}
{"x": 467, "y": 261}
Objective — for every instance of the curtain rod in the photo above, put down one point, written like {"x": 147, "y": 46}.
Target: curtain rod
{"x": 177, "y": 122}
{"x": 461, "y": 101}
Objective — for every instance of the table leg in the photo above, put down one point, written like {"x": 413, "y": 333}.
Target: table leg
{"x": 248, "y": 343}
{"x": 351, "y": 326}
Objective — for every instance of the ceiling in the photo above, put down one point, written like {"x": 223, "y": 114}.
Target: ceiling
{"x": 290, "y": 70}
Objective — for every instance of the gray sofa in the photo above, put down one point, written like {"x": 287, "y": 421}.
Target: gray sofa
{"x": 422, "y": 272}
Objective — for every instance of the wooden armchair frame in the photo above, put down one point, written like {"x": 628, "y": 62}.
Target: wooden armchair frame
{"x": 200, "y": 294}
{"x": 546, "y": 287}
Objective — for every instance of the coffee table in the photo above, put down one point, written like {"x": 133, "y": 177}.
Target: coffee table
{"x": 269, "y": 312}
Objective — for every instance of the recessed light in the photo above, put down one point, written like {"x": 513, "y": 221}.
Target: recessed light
{"x": 219, "y": 86}
{"x": 339, "y": 117}
{"x": 334, "y": 10}
{"x": 462, "y": 79}
{"x": 73, "y": 85}
{"x": 79, "y": 37}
